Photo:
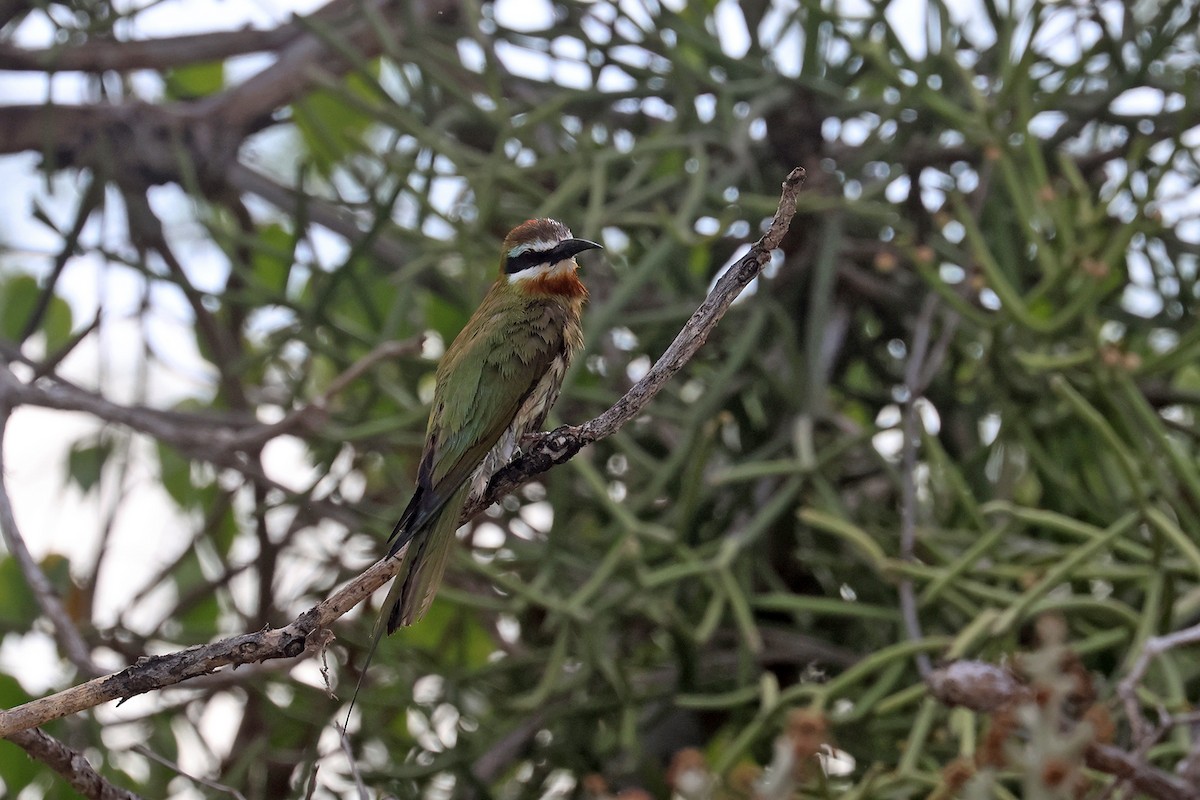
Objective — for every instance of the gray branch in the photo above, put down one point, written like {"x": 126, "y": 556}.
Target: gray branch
{"x": 71, "y": 765}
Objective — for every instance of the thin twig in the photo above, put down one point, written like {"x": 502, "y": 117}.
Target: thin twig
{"x": 338, "y": 219}
{"x": 1154, "y": 647}
{"x": 102, "y": 55}
{"x": 506, "y": 749}
{"x": 319, "y": 405}
{"x": 306, "y": 633}
{"x": 171, "y": 765}
{"x": 908, "y": 469}
{"x": 359, "y": 785}
{"x": 68, "y": 636}
{"x": 920, "y": 370}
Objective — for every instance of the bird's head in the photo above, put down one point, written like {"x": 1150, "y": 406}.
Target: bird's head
{"x": 539, "y": 256}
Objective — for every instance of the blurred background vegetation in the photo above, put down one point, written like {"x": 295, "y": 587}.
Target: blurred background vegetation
{"x": 960, "y": 410}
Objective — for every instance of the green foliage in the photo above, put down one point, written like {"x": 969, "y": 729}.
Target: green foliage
{"x": 20, "y": 300}
{"x": 16, "y": 769}
{"x": 17, "y": 603}
{"x": 175, "y": 476}
{"x": 727, "y": 571}
{"x": 85, "y": 464}
{"x": 333, "y": 122}
{"x": 273, "y": 258}
{"x": 194, "y": 80}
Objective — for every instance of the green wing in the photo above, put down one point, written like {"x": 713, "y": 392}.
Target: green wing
{"x": 485, "y": 376}
{"x": 484, "y": 384}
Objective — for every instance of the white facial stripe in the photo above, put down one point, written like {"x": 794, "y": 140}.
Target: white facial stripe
{"x": 541, "y": 270}
{"x": 539, "y": 244}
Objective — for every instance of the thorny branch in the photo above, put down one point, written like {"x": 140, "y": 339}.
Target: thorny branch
{"x": 308, "y": 632}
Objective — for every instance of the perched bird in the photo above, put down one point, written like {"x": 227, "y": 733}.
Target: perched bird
{"x": 495, "y": 384}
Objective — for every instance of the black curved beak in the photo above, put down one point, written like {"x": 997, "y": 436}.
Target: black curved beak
{"x": 571, "y": 247}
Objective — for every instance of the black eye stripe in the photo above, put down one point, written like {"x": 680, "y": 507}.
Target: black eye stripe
{"x": 526, "y": 260}
{"x": 560, "y": 252}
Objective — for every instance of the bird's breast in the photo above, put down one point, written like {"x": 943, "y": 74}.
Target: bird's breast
{"x": 529, "y": 417}
{"x": 561, "y": 283}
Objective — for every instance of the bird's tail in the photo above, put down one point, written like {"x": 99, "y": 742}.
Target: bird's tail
{"x": 376, "y": 636}
{"x": 424, "y": 564}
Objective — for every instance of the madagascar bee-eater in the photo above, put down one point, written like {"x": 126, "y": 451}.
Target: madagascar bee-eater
{"x": 495, "y": 384}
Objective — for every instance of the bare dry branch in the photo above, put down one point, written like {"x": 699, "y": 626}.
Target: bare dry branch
{"x": 161, "y": 53}
{"x": 71, "y": 765}
{"x": 204, "y": 437}
{"x": 305, "y": 634}
{"x": 190, "y": 432}
{"x": 168, "y": 51}
{"x": 156, "y": 672}
{"x": 140, "y": 142}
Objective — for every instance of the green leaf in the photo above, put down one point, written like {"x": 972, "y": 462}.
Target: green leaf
{"x": 17, "y": 769}
{"x": 11, "y": 693}
{"x": 57, "y": 323}
{"x": 699, "y": 261}
{"x": 444, "y": 317}
{"x": 18, "y": 606}
{"x": 273, "y": 257}
{"x": 194, "y": 80}
{"x": 175, "y": 473}
{"x": 1187, "y": 378}
{"x": 85, "y": 462}
{"x": 18, "y": 296}
{"x": 223, "y": 530}
{"x": 453, "y": 633}
{"x": 331, "y": 127}
{"x": 199, "y": 621}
